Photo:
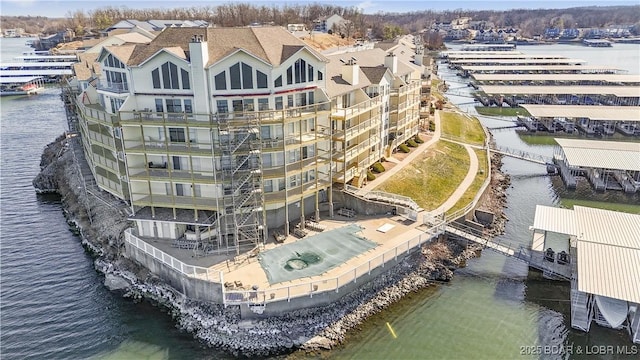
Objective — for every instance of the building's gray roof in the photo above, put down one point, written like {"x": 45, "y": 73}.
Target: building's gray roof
{"x": 272, "y": 45}
{"x": 374, "y": 73}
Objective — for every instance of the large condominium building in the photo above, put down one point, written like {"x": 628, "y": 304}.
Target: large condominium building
{"x": 215, "y": 135}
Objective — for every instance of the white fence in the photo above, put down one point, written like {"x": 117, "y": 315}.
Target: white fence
{"x": 197, "y": 272}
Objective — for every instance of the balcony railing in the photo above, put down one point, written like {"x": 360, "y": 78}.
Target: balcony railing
{"x": 357, "y": 129}
{"x": 231, "y": 118}
{"x": 354, "y": 150}
{"x": 96, "y": 113}
{"x": 159, "y": 173}
{"x": 185, "y": 202}
{"x": 114, "y": 87}
{"x": 357, "y": 109}
{"x": 162, "y": 146}
{"x": 102, "y": 139}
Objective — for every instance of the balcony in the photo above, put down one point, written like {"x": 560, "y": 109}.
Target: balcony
{"x": 171, "y": 201}
{"x": 346, "y": 113}
{"x": 96, "y": 113}
{"x": 158, "y": 173}
{"x": 356, "y": 130}
{"x": 355, "y": 150}
{"x": 114, "y": 87}
{"x": 104, "y": 140}
{"x": 237, "y": 118}
{"x": 163, "y": 147}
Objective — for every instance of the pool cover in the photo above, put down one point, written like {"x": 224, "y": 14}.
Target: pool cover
{"x": 314, "y": 255}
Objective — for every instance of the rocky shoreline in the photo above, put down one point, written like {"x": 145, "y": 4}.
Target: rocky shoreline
{"x": 310, "y": 330}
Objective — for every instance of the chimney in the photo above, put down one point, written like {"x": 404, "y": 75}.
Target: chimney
{"x": 199, "y": 57}
{"x": 419, "y": 54}
{"x": 350, "y": 71}
{"x": 391, "y": 62}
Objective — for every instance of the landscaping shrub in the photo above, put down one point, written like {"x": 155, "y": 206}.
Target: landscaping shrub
{"x": 404, "y": 148}
{"x": 370, "y": 176}
{"x": 411, "y": 143}
{"x": 432, "y": 126}
{"x": 418, "y": 140}
{"x": 378, "y": 167}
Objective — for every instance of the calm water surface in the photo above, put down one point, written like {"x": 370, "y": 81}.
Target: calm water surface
{"x": 493, "y": 307}
{"x": 54, "y": 305}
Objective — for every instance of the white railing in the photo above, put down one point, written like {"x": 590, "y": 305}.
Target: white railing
{"x": 309, "y": 288}
{"x": 358, "y": 108}
{"x": 192, "y": 271}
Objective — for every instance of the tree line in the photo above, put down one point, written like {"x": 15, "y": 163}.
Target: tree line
{"x": 381, "y": 25}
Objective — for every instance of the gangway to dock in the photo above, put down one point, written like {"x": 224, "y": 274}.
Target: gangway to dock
{"x": 534, "y": 259}
{"x": 523, "y": 155}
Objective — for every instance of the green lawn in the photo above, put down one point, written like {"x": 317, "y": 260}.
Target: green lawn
{"x": 482, "y": 174}
{"x": 431, "y": 178}
{"x": 500, "y": 111}
{"x": 629, "y": 208}
{"x": 462, "y": 128}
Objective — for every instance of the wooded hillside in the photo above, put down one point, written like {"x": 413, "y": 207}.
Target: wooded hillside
{"x": 382, "y": 24}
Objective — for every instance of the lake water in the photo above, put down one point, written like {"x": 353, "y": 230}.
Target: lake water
{"x": 54, "y": 305}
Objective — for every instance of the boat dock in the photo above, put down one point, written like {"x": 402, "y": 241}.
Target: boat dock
{"x": 597, "y": 42}
{"x": 534, "y": 259}
{"x": 607, "y": 165}
{"x": 591, "y": 121}
{"x": 603, "y": 256}
{"x": 21, "y": 85}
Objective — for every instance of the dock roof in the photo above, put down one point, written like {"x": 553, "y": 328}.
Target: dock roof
{"x": 554, "y": 219}
{"x": 601, "y": 154}
{"x": 17, "y": 79}
{"x": 613, "y": 78}
{"x": 37, "y": 64}
{"x": 593, "y": 112}
{"x": 539, "y": 68}
{"x": 518, "y": 61}
{"x": 500, "y": 55}
{"x": 484, "y": 52}
{"x": 608, "y": 249}
{"x": 41, "y": 72}
{"x": 618, "y": 91}
{"x": 608, "y": 253}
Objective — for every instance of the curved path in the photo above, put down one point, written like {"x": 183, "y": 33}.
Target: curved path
{"x": 460, "y": 190}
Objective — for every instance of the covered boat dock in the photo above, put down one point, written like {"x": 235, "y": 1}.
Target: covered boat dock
{"x": 540, "y": 69}
{"x": 460, "y": 55}
{"x": 604, "y": 255}
{"x": 558, "y": 79}
{"x": 606, "y": 164}
{"x": 458, "y": 63}
{"x": 563, "y": 95}
{"x": 590, "y": 120}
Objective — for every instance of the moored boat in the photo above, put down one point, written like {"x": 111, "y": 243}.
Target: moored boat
{"x": 21, "y": 85}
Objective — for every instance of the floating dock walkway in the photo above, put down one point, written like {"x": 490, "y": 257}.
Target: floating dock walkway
{"x": 534, "y": 259}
